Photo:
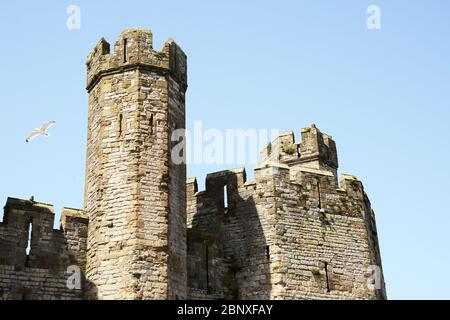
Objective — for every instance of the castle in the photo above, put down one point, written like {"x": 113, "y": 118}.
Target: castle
{"x": 147, "y": 232}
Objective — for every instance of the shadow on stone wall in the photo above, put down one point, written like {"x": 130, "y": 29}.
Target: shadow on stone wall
{"x": 228, "y": 254}
{"x": 55, "y": 260}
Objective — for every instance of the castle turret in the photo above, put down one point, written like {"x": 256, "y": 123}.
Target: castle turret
{"x": 134, "y": 194}
{"x": 292, "y": 233}
{"x": 316, "y": 150}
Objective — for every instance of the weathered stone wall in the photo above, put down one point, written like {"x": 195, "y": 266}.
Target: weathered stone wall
{"x": 293, "y": 233}
{"x": 323, "y": 237}
{"x": 135, "y": 194}
{"x": 238, "y": 266}
{"x": 42, "y": 272}
{"x": 177, "y": 272}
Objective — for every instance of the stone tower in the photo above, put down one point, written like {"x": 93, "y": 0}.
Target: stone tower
{"x": 135, "y": 195}
{"x": 295, "y": 232}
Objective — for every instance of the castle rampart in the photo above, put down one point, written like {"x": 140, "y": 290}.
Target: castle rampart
{"x": 34, "y": 258}
{"x": 293, "y": 233}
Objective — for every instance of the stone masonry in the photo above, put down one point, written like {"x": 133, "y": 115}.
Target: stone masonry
{"x": 43, "y": 272}
{"x": 293, "y": 233}
{"x": 146, "y": 232}
{"x": 135, "y": 196}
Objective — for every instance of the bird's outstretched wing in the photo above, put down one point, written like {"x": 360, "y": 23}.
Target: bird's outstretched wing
{"x": 33, "y": 134}
{"x": 47, "y": 125}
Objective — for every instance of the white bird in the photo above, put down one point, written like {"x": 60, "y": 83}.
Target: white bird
{"x": 41, "y": 131}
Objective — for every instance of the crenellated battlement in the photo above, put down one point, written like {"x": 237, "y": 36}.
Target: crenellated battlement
{"x": 27, "y": 223}
{"x": 134, "y": 49}
{"x": 16, "y": 209}
{"x": 310, "y": 161}
{"x": 316, "y": 150}
{"x": 285, "y": 234}
{"x": 33, "y": 253}
{"x": 268, "y": 174}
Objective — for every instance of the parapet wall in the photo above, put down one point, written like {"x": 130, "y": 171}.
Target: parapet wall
{"x": 135, "y": 48}
{"x": 34, "y": 258}
{"x": 227, "y": 239}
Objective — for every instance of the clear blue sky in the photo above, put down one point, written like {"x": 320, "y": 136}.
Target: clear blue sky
{"x": 383, "y": 95}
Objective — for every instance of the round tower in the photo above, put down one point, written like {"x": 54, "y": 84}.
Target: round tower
{"x": 134, "y": 194}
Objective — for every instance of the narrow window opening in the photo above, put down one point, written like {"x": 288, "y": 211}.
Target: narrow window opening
{"x": 326, "y": 275}
{"x": 207, "y": 267}
{"x": 125, "y": 50}
{"x": 120, "y": 125}
{"x": 268, "y": 252}
{"x": 318, "y": 192}
{"x": 152, "y": 124}
{"x": 225, "y": 198}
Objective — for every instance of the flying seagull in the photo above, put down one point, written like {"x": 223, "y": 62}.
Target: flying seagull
{"x": 41, "y": 131}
